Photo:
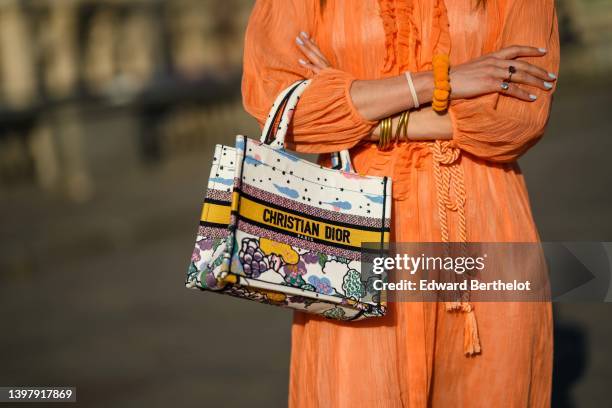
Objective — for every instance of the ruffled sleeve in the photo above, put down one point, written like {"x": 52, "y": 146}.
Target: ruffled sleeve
{"x": 501, "y": 128}
{"x": 325, "y": 119}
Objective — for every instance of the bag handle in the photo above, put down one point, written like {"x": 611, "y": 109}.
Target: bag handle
{"x": 286, "y": 102}
{"x": 277, "y": 108}
{"x": 342, "y": 161}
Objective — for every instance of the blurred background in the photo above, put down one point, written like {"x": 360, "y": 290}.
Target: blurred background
{"x": 109, "y": 110}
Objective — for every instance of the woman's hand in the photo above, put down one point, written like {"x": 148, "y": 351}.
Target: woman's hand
{"x": 486, "y": 74}
{"x": 315, "y": 60}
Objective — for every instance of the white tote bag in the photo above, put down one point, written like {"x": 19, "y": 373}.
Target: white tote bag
{"x": 297, "y": 231}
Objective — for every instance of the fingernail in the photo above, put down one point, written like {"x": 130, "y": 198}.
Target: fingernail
{"x": 552, "y": 76}
{"x": 304, "y": 34}
{"x": 532, "y": 97}
{"x": 547, "y": 85}
{"x": 542, "y": 50}
{"x": 302, "y": 61}
{"x": 299, "y": 40}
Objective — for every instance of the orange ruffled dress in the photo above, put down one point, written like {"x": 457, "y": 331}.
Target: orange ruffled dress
{"x": 416, "y": 356}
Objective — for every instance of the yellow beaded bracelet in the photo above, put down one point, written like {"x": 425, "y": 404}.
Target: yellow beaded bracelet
{"x": 441, "y": 82}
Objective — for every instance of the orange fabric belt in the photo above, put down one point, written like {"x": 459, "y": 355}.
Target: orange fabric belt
{"x": 451, "y": 196}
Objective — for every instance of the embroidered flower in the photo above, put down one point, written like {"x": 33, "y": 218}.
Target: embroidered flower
{"x": 310, "y": 257}
{"x": 205, "y": 244}
{"x": 322, "y": 285}
{"x": 334, "y": 313}
{"x": 370, "y": 287}
{"x": 210, "y": 281}
{"x": 296, "y": 270}
{"x": 352, "y": 286}
{"x": 195, "y": 255}
{"x": 252, "y": 258}
{"x": 275, "y": 262}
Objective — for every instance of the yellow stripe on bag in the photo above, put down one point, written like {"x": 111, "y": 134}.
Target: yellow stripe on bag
{"x": 216, "y": 213}
{"x": 235, "y": 200}
{"x": 350, "y": 236}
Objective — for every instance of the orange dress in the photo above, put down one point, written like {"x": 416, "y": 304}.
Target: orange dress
{"x": 414, "y": 357}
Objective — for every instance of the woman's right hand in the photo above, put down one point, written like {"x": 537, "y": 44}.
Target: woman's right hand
{"x": 485, "y": 75}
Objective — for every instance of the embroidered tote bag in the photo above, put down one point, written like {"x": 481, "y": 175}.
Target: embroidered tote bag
{"x": 295, "y": 230}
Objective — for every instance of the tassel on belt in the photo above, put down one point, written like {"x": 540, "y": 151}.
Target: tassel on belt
{"x": 450, "y": 190}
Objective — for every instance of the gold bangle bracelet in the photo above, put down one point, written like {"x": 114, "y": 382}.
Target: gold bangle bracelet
{"x": 386, "y": 131}
{"x": 402, "y": 127}
{"x": 389, "y": 133}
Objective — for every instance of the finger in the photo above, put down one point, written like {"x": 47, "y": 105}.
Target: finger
{"x": 517, "y": 92}
{"x": 312, "y": 56}
{"x": 523, "y": 66}
{"x": 309, "y": 43}
{"x": 309, "y": 54}
{"x": 522, "y": 77}
{"x": 516, "y": 51}
{"x": 309, "y": 66}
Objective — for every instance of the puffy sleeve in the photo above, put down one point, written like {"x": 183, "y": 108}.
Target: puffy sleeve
{"x": 501, "y": 128}
{"x": 325, "y": 119}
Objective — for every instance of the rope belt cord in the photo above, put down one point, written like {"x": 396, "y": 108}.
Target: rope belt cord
{"x": 451, "y": 195}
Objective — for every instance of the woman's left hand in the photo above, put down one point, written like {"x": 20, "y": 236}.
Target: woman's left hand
{"x": 314, "y": 58}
